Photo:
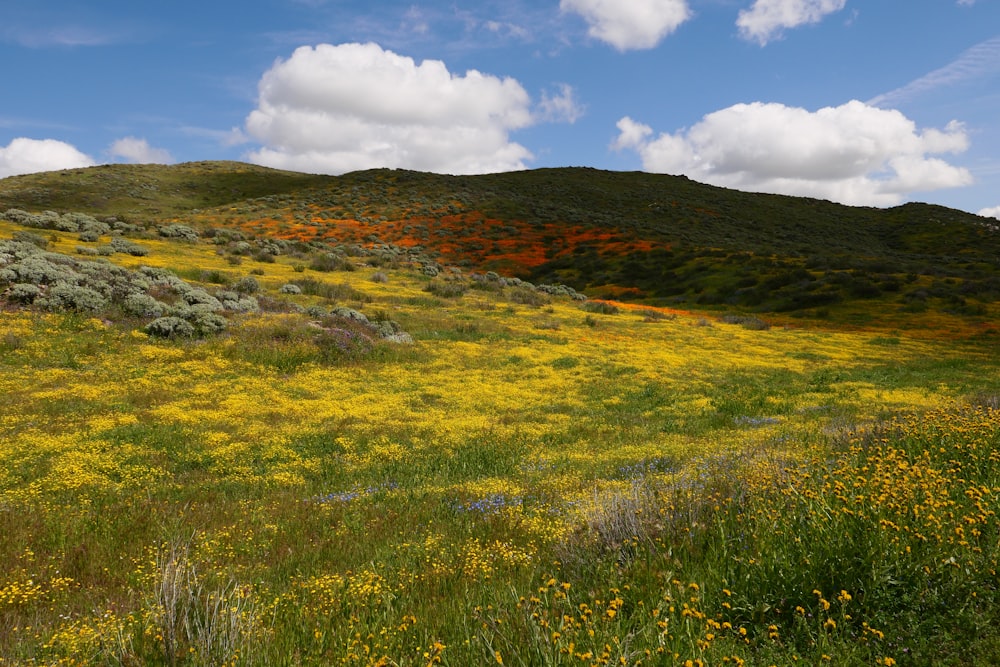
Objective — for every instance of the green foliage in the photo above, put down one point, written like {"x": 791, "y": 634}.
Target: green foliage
{"x": 331, "y": 261}
{"x": 600, "y": 307}
{"x": 746, "y": 321}
{"x": 446, "y": 289}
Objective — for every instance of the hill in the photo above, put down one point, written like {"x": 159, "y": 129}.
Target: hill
{"x": 658, "y": 239}
{"x": 258, "y": 419}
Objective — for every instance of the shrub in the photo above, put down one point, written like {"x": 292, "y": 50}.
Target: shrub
{"x": 46, "y": 269}
{"x": 31, "y": 237}
{"x": 23, "y": 293}
{"x": 236, "y": 303}
{"x": 142, "y": 305}
{"x": 562, "y": 290}
{"x": 528, "y": 296}
{"x": 652, "y": 315}
{"x": 170, "y": 327}
{"x": 205, "y": 320}
{"x": 199, "y": 297}
{"x": 380, "y": 277}
{"x": 600, "y": 307}
{"x": 746, "y": 321}
{"x": 178, "y": 232}
{"x": 326, "y": 290}
{"x": 350, "y": 314}
{"x": 290, "y": 288}
{"x": 89, "y": 236}
{"x": 123, "y": 245}
{"x": 73, "y": 297}
{"x": 87, "y": 224}
{"x": 447, "y": 289}
{"x": 331, "y": 261}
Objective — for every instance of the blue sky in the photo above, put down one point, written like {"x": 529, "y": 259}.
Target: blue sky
{"x": 867, "y": 103}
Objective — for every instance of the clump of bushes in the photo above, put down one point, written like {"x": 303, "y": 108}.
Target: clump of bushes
{"x": 653, "y": 315}
{"x": 447, "y": 289}
{"x": 528, "y": 296}
{"x": 331, "y": 261}
{"x": 31, "y": 276}
{"x": 170, "y": 327}
{"x": 246, "y": 285}
{"x": 66, "y": 222}
{"x": 600, "y": 307}
{"x": 123, "y": 245}
{"x": 746, "y": 321}
{"x": 31, "y": 237}
{"x": 176, "y": 231}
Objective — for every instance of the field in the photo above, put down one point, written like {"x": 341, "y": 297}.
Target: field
{"x": 525, "y": 479}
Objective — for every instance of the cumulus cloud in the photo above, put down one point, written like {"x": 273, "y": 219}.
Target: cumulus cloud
{"x": 766, "y": 19}
{"x": 331, "y": 109}
{"x": 854, "y": 154}
{"x": 27, "y": 156}
{"x": 630, "y": 24}
{"x": 991, "y": 212}
{"x": 133, "y": 149}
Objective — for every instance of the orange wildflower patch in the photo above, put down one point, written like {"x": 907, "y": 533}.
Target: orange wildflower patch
{"x": 512, "y": 246}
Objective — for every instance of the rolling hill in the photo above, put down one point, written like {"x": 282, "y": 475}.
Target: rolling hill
{"x": 656, "y": 239}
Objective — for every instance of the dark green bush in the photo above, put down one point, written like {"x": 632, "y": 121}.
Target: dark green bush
{"x": 448, "y": 289}
{"x": 600, "y": 307}
{"x": 331, "y": 261}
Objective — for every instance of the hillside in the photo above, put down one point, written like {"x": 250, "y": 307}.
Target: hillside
{"x": 658, "y": 239}
{"x": 287, "y": 429}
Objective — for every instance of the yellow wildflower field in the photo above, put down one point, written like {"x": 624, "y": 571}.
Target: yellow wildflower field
{"x": 477, "y": 495}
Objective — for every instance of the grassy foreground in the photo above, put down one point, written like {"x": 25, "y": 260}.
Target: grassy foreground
{"x": 529, "y": 483}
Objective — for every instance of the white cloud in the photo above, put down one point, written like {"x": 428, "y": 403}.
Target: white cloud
{"x": 766, "y": 19}
{"x": 980, "y": 61}
{"x": 506, "y": 29}
{"x": 630, "y": 24}
{"x": 27, "y": 156}
{"x": 331, "y": 109}
{"x": 991, "y": 212}
{"x": 854, "y": 154}
{"x": 137, "y": 150}
{"x": 562, "y": 106}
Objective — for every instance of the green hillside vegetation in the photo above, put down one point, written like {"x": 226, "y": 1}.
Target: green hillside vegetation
{"x": 661, "y": 240}
{"x": 264, "y": 418}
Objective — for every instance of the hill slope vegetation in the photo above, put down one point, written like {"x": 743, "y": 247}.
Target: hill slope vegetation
{"x": 658, "y": 239}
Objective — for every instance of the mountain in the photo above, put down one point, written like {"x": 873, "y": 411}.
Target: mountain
{"x": 658, "y": 239}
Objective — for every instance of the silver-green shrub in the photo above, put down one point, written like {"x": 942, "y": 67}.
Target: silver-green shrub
{"x": 247, "y": 285}
{"x": 142, "y": 305}
{"x": 170, "y": 327}
{"x": 63, "y": 296}
{"x": 24, "y": 293}
{"x": 123, "y": 245}
{"x": 176, "y": 231}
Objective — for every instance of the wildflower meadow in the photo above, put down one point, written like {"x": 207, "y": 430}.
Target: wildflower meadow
{"x": 363, "y": 460}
